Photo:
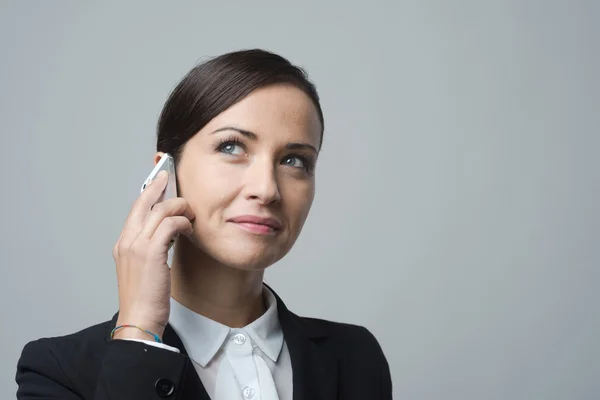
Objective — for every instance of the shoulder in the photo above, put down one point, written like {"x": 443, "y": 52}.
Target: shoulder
{"x": 66, "y": 359}
{"x": 85, "y": 342}
{"x": 347, "y": 341}
{"x": 358, "y": 351}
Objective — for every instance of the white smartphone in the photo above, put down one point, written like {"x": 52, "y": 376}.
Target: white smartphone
{"x": 166, "y": 163}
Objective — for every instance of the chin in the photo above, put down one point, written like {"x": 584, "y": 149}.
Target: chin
{"x": 246, "y": 255}
{"x": 247, "y": 262}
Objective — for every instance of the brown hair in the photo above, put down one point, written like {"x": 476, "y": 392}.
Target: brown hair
{"x": 215, "y": 85}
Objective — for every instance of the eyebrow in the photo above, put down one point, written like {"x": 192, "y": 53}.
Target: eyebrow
{"x": 253, "y": 136}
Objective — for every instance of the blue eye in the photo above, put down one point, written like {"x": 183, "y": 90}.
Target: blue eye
{"x": 294, "y": 161}
{"x": 299, "y": 161}
{"x": 231, "y": 147}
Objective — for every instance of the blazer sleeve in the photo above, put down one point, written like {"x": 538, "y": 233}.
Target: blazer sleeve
{"x": 129, "y": 370}
{"x": 386, "y": 381}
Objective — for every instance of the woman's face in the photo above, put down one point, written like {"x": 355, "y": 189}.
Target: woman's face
{"x": 249, "y": 176}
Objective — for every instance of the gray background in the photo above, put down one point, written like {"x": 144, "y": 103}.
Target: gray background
{"x": 457, "y": 192}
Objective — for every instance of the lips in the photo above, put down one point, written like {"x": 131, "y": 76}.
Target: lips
{"x": 256, "y": 223}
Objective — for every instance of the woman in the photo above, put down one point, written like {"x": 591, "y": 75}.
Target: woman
{"x": 245, "y": 130}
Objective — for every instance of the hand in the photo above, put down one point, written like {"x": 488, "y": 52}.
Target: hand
{"x": 141, "y": 255}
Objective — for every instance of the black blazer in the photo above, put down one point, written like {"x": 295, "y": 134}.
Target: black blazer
{"x": 329, "y": 361}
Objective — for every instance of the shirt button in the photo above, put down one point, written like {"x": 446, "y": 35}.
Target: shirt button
{"x": 249, "y": 392}
{"x": 239, "y": 339}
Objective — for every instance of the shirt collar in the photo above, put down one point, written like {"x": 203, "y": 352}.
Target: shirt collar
{"x": 266, "y": 331}
{"x": 203, "y": 337}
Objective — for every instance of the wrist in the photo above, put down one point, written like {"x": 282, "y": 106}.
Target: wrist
{"x": 138, "y": 331}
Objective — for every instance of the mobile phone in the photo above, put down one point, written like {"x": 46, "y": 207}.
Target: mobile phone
{"x": 166, "y": 163}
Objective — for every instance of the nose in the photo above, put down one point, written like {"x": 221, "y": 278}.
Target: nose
{"x": 261, "y": 183}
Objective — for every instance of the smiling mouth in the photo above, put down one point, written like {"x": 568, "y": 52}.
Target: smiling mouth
{"x": 256, "y": 228}
{"x": 257, "y": 225}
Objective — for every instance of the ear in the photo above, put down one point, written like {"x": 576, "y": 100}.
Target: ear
{"x": 157, "y": 157}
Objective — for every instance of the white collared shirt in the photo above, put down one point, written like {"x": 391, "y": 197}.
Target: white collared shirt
{"x": 249, "y": 363}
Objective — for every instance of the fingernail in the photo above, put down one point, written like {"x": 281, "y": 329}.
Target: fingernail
{"x": 149, "y": 183}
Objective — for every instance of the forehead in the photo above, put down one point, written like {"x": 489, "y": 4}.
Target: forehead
{"x": 280, "y": 111}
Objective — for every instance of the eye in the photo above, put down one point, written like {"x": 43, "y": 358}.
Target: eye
{"x": 297, "y": 161}
{"x": 231, "y": 146}
{"x": 293, "y": 161}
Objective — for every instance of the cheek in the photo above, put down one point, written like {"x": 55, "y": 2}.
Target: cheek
{"x": 211, "y": 188}
{"x": 297, "y": 202}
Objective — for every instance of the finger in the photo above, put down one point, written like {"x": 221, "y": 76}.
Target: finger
{"x": 168, "y": 229}
{"x": 141, "y": 207}
{"x": 168, "y": 208}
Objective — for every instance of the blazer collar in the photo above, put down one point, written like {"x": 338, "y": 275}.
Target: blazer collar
{"x": 315, "y": 372}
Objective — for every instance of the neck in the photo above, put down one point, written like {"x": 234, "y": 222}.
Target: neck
{"x": 230, "y": 296}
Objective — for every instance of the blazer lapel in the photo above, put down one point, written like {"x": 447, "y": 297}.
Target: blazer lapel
{"x": 191, "y": 386}
{"x": 315, "y": 373}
